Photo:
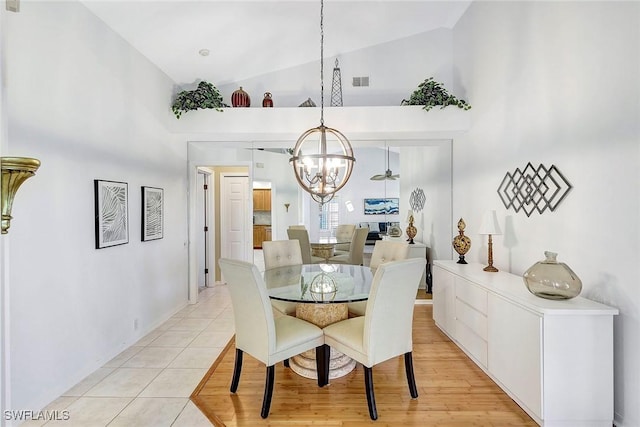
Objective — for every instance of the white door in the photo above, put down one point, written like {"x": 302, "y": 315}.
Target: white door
{"x": 234, "y": 222}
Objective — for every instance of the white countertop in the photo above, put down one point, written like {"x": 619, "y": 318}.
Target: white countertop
{"x": 513, "y": 286}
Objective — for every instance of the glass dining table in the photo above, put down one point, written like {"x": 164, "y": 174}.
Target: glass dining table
{"x": 321, "y": 292}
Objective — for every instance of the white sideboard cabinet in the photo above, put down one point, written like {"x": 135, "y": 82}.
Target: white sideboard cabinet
{"x": 552, "y": 357}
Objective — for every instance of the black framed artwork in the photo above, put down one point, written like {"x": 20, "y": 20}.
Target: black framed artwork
{"x": 152, "y": 220}
{"x": 111, "y": 213}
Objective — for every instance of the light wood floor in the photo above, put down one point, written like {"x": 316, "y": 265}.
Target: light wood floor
{"x": 453, "y": 391}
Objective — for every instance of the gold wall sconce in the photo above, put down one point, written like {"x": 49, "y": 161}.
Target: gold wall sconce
{"x": 286, "y": 206}
{"x": 15, "y": 171}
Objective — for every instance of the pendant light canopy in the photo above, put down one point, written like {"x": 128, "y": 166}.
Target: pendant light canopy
{"x": 322, "y": 157}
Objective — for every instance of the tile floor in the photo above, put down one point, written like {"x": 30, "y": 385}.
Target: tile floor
{"x": 149, "y": 383}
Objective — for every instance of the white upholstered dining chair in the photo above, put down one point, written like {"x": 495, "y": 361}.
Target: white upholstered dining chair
{"x": 267, "y": 338}
{"x": 384, "y": 251}
{"x": 385, "y": 331}
{"x": 282, "y": 253}
{"x": 355, "y": 255}
{"x": 344, "y": 234}
{"x": 305, "y": 247}
{"x": 297, "y": 227}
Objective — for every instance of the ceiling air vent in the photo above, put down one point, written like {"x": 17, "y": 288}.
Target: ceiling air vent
{"x": 13, "y": 5}
{"x": 361, "y": 81}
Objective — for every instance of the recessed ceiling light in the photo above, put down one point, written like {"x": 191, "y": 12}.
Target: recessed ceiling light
{"x": 204, "y": 52}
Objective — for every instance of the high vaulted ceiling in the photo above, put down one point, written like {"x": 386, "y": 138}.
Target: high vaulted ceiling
{"x": 250, "y": 38}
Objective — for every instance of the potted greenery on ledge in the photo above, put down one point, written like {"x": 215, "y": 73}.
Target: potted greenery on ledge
{"x": 205, "y": 96}
{"x": 431, "y": 93}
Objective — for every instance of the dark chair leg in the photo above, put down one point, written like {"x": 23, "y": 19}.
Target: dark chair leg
{"x": 268, "y": 391}
{"x": 411, "y": 380}
{"x": 237, "y": 367}
{"x": 371, "y": 398}
{"x": 285, "y": 362}
{"x": 322, "y": 364}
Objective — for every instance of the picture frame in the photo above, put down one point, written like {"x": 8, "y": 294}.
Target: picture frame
{"x": 152, "y": 218}
{"x": 111, "y": 201}
{"x": 382, "y": 206}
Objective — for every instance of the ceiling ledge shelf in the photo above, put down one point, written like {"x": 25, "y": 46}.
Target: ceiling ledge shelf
{"x": 259, "y": 124}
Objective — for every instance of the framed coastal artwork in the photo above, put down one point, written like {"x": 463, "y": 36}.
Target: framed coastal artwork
{"x": 152, "y": 213}
{"x": 111, "y": 213}
{"x": 382, "y": 206}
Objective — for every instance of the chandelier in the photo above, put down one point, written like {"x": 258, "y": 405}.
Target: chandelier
{"x": 322, "y": 157}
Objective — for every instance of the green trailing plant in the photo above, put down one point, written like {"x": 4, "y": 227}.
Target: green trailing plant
{"x": 430, "y": 93}
{"x": 205, "y": 95}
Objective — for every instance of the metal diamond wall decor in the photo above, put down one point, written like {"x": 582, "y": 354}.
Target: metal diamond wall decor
{"x": 533, "y": 189}
{"x": 417, "y": 199}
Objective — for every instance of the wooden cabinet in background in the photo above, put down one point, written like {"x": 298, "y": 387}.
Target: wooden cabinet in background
{"x": 261, "y": 233}
{"x": 261, "y": 200}
{"x": 258, "y": 236}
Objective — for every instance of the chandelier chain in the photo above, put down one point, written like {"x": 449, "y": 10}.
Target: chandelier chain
{"x": 327, "y": 164}
{"x": 321, "y": 62}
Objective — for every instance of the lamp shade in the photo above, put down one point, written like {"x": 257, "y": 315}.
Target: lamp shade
{"x": 490, "y": 224}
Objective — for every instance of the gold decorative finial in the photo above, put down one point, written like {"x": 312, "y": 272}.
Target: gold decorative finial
{"x": 461, "y": 243}
{"x": 411, "y": 229}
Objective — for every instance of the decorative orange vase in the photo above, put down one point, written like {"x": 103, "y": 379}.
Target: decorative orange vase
{"x": 240, "y": 98}
{"x": 267, "y": 101}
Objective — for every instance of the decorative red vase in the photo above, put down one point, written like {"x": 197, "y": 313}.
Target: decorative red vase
{"x": 240, "y": 98}
{"x": 267, "y": 101}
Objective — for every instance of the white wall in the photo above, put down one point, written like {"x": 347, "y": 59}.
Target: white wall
{"x": 89, "y": 107}
{"x": 429, "y": 168}
{"x": 394, "y": 69}
{"x": 557, "y": 83}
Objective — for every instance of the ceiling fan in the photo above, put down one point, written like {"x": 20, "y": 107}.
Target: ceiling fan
{"x": 387, "y": 175}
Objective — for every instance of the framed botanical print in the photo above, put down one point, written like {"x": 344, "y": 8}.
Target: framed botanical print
{"x": 152, "y": 213}
{"x": 111, "y": 213}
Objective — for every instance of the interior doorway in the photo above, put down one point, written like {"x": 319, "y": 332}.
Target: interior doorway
{"x": 208, "y": 219}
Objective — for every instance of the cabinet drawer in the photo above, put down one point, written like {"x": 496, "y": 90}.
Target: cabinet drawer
{"x": 472, "y": 319}
{"x": 472, "y": 295}
{"x": 472, "y": 343}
